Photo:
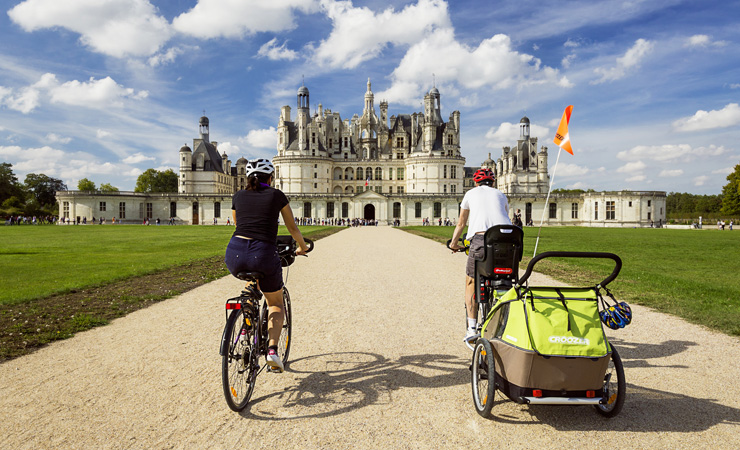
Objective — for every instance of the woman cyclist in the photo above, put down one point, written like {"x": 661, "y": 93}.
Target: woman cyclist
{"x": 253, "y": 247}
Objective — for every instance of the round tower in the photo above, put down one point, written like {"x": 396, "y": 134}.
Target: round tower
{"x": 524, "y": 128}
{"x": 204, "y": 128}
{"x": 186, "y": 165}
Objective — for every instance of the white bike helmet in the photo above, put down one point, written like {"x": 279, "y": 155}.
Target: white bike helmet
{"x": 260, "y": 165}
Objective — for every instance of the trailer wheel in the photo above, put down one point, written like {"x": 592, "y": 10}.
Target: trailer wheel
{"x": 615, "y": 388}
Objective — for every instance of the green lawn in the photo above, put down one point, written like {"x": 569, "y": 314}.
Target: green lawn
{"x": 689, "y": 273}
{"x": 37, "y": 261}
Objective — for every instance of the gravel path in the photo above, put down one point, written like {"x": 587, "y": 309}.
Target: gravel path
{"x": 377, "y": 362}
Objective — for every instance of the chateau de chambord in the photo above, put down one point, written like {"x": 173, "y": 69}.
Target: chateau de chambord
{"x": 404, "y": 168}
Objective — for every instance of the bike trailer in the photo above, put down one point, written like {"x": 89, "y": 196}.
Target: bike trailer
{"x": 548, "y": 343}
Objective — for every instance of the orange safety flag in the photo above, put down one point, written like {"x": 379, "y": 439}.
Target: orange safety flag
{"x": 562, "y": 137}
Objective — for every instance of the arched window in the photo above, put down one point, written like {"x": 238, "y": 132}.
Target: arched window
{"x": 369, "y": 173}
{"x": 360, "y": 175}
{"x": 378, "y": 173}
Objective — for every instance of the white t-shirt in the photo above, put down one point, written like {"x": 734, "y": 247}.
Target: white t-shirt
{"x": 488, "y": 207}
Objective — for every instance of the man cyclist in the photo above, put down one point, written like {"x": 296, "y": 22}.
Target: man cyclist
{"x": 253, "y": 247}
{"x": 486, "y": 207}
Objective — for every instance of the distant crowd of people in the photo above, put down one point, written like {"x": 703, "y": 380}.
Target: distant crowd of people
{"x": 30, "y": 220}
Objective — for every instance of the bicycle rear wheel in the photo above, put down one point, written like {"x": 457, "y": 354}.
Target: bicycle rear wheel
{"x": 483, "y": 378}
{"x": 283, "y": 345}
{"x": 239, "y": 364}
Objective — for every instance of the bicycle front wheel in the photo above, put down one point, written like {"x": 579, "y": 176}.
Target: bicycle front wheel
{"x": 239, "y": 364}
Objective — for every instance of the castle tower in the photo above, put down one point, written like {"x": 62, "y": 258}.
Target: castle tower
{"x": 186, "y": 165}
{"x": 204, "y": 132}
{"x": 302, "y": 119}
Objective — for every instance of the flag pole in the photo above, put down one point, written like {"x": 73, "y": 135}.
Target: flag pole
{"x": 544, "y": 208}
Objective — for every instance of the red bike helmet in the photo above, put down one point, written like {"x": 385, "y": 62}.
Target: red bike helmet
{"x": 483, "y": 174}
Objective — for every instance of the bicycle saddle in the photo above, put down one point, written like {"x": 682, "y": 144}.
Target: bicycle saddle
{"x": 249, "y": 276}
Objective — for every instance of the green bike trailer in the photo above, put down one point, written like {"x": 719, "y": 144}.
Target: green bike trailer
{"x": 548, "y": 343}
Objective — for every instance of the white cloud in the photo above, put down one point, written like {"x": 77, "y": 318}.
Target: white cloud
{"x": 700, "y": 180}
{"x": 638, "y": 177}
{"x": 577, "y": 185}
{"x": 571, "y": 44}
{"x": 239, "y": 18}
{"x": 570, "y": 170}
{"x": 271, "y": 50}
{"x": 735, "y": 86}
{"x": 102, "y": 94}
{"x": 670, "y": 173}
{"x": 54, "y": 138}
{"x": 102, "y": 134}
{"x": 359, "y": 34}
{"x": 724, "y": 171}
{"x": 726, "y": 117}
{"x": 631, "y": 167}
{"x": 668, "y": 152}
{"x": 228, "y": 148}
{"x": 566, "y": 62}
{"x": 266, "y": 138}
{"x": 493, "y": 64}
{"x": 166, "y": 57}
{"x": 118, "y": 28}
{"x": 629, "y": 60}
{"x": 702, "y": 41}
{"x": 137, "y": 158}
{"x": 507, "y": 134}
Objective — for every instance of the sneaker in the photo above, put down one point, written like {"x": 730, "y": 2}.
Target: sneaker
{"x": 471, "y": 335}
{"x": 274, "y": 361}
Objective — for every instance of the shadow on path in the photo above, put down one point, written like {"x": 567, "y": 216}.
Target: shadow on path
{"x": 337, "y": 383}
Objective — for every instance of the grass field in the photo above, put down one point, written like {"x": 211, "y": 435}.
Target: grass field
{"x": 689, "y": 273}
{"x": 38, "y": 261}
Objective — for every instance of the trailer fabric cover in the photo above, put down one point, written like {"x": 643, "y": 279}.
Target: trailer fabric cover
{"x": 554, "y": 322}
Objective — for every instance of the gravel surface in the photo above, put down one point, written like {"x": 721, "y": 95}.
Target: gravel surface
{"x": 377, "y": 362}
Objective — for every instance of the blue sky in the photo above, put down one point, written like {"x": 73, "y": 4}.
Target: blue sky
{"x": 105, "y": 89}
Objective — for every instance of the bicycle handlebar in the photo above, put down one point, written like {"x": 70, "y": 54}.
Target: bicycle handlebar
{"x": 464, "y": 247}
{"x": 558, "y": 254}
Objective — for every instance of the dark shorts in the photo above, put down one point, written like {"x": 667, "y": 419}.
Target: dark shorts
{"x": 252, "y": 255}
{"x": 477, "y": 251}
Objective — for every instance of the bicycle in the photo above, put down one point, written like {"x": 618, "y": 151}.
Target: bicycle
{"x": 245, "y": 339}
{"x": 496, "y": 270}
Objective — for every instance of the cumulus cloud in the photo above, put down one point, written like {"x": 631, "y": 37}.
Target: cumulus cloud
{"x": 706, "y": 120}
{"x": 703, "y": 41}
{"x": 239, "y": 18}
{"x": 668, "y": 152}
{"x": 507, "y": 134}
{"x": 271, "y": 50}
{"x": 118, "y": 28}
{"x": 493, "y": 64}
{"x": 629, "y": 60}
{"x": 638, "y": 177}
{"x": 102, "y": 134}
{"x": 670, "y": 173}
{"x": 228, "y": 148}
{"x": 632, "y": 167}
{"x": 136, "y": 158}
{"x": 103, "y": 93}
{"x": 360, "y": 34}
{"x": 724, "y": 171}
{"x": 265, "y": 138}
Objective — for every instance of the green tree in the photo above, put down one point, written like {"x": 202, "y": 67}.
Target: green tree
{"x": 9, "y": 186}
{"x": 86, "y": 185}
{"x": 107, "y": 187}
{"x": 731, "y": 193}
{"x": 153, "y": 180}
{"x": 44, "y": 188}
